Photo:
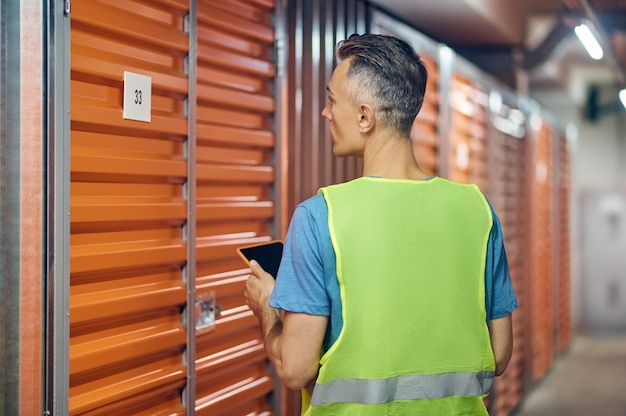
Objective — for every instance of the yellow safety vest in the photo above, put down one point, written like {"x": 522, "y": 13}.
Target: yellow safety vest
{"x": 410, "y": 264}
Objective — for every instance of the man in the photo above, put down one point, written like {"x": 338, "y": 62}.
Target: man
{"x": 395, "y": 287}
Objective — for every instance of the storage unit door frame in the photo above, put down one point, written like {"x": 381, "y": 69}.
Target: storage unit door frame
{"x": 56, "y": 383}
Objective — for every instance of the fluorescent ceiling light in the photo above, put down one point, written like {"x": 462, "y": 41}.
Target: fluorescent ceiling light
{"x": 622, "y": 96}
{"x": 589, "y": 41}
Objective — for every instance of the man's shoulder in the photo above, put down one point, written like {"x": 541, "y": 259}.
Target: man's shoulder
{"x": 314, "y": 206}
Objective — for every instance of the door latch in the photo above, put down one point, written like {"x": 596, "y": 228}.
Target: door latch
{"x": 207, "y": 311}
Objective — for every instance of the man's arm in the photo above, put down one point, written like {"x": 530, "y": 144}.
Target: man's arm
{"x": 501, "y": 333}
{"x": 294, "y": 344}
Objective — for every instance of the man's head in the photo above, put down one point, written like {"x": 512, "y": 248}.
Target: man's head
{"x": 386, "y": 73}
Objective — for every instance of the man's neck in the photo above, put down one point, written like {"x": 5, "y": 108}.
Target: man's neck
{"x": 392, "y": 158}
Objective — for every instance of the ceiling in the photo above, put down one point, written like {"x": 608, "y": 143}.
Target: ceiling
{"x": 528, "y": 44}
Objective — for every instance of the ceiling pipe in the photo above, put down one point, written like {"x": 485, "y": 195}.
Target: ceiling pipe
{"x": 618, "y": 68}
{"x": 541, "y": 53}
{"x": 503, "y": 62}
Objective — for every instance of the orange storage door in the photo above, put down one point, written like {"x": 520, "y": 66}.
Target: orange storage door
{"x": 235, "y": 199}
{"x": 506, "y": 193}
{"x": 541, "y": 252}
{"x": 469, "y": 117}
{"x": 564, "y": 314}
{"x": 425, "y": 136}
{"x": 130, "y": 219}
{"x": 128, "y": 210}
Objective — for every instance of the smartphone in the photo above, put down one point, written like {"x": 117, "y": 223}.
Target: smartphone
{"x": 267, "y": 254}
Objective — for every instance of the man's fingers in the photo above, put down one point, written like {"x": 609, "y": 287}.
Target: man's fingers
{"x": 256, "y": 267}
{"x": 251, "y": 282}
{"x": 258, "y": 287}
{"x": 258, "y": 271}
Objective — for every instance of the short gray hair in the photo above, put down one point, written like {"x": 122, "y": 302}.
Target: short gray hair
{"x": 387, "y": 73}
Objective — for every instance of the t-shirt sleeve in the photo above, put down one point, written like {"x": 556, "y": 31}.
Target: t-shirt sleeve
{"x": 300, "y": 285}
{"x": 501, "y": 299}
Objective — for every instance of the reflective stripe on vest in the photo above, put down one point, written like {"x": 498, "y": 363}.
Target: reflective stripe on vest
{"x": 407, "y": 387}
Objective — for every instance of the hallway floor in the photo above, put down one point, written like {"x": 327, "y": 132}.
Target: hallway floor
{"x": 588, "y": 379}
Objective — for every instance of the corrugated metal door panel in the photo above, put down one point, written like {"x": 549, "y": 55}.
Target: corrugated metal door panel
{"x": 127, "y": 249}
{"x": 425, "y": 135}
{"x": 514, "y": 234}
{"x": 227, "y": 390}
{"x": 147, "y": 387}
{"x": 314, "y": 30}
{"x": 506, "y": 193}
{"x": 468, "y": 132}
{"x": 462, "y": 111}
{"x": 541, "y": 313}
{"x": 477, "y": 142}
{"x": 235, "y": 175}
{"x": 170, "y": 405}
{"x": 564, "y": 313}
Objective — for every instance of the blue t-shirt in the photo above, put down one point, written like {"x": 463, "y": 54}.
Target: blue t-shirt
{"x": 307, "y": 278}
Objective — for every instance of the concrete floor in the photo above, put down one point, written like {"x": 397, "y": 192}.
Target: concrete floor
{"x": 588, "y": 379}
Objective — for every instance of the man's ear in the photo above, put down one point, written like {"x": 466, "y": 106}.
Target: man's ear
{"x": 367, "y": 118}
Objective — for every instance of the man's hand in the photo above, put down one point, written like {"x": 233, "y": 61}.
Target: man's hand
{"x": 259, "y": 287}
{"x": 294, "y": 351}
